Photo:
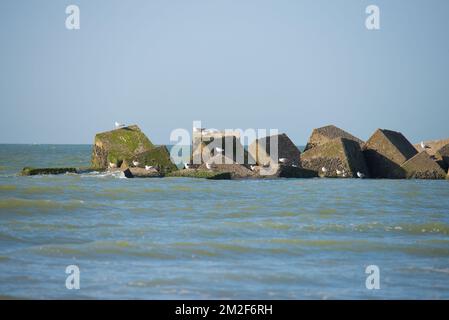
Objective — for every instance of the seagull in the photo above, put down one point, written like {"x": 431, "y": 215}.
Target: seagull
{"x": 339, "y": 172}
{"x": 148, "y": 168}
{"x": 186, "y": 166}
{"x": 266, "y": 165}
{"x": 324, "y": 169}
{"x": 112, "y": 165}
{"x": 360, "y": 175}
{"x": 119, "y": 125}
{"x": 344, "y": 174}
{"x": 294, "y": 165}
{"x": 219, "y": 150}
{"x": 283, "y": 160}
{"x": 208, "y": 166}
{"x": 424, "y": 146}
{"x": 135, "y": 163}
{"x": 198, "y": 129}
{"x": 252, "y": 167}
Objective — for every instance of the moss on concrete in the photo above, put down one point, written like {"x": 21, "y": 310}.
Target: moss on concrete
{"x": 203, "y": 174}
{"x": 28, "y": 171}
{"x": 124, "y": 145}
{"x": 325, "y": 134}
{"x": 338, "y": 154}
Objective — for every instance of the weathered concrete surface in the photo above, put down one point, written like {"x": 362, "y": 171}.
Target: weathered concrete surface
{"x": 340, "y": 154}
{"x": 442, "y": 157}
{"x": 232, "y": 152}
{"x": 286, "y": 171}
{"x": 325, "y": 134}
{"x": 260, "y": 150}
{"x": 142, "y": 173}
{"x": 385, "y": 152}
{"x": 237, "y": 171}
{"x": 28, "y": 171}
{"x": 422, "y": 166}
{"x": 432, "y": 146}
{"x": 126, "y": 145}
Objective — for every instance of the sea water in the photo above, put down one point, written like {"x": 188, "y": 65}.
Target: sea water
{"x": 180, "y": 238}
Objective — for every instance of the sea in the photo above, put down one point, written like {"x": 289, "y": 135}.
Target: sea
{"x": 181, "y": 238}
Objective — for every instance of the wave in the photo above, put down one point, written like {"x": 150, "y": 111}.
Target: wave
{"x": 18, "y": 203}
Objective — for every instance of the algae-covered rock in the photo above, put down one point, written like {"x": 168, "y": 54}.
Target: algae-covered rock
{"x": 340, "y": 158}
{"x": 28, "y": 171}
{"x": 158, "y": 157}
{"x": 202, "y": 174}
{"x": 260, "y": 150}
{"x": 325, "y": 134}
{"x": 128, "y": 144}
{"x": 385, "y": 152}
{"x": 422, "y": 166}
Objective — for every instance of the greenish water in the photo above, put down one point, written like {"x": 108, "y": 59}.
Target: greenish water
{"x": 198, "y": 239}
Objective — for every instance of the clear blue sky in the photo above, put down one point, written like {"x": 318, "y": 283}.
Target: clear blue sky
{"x": 292, "y": 65}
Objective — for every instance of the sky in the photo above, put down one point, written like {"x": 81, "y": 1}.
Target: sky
{"x": 291, "y": 65}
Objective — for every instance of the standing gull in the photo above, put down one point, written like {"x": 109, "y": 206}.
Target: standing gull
{"x": 424, "y": 146}
{"x": 119, "y": 125}
{"x": 360, "y": 175}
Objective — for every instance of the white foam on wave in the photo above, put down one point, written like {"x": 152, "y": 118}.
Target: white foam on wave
{"x": 107, "y": 174}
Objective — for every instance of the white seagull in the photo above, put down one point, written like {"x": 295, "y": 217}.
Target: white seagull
{"x": 360, "y": 175}
{"x": 294, "y": 165}
{"x": 324, "y": 169}
{"x": 135, "y": 163}
{"x": 219, "y": 150}
{"x": 424, "y": 146}
{"x": 186, "y": 166}
{"x": 252, "y": 167}
{"x": 283, "y": 160}
{"x": 119, "y": 125}
{"x": 208, "y": 166}
{"x": 112, "y": 165}
{"x": 339, "y": 172}
{"x": 148, "y": 168}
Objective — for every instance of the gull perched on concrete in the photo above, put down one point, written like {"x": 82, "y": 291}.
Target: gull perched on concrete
{"x": 219, "y": 150}
{"x": 119, "y": 125}
{"x": 424, "y": 146}
{"x": 208, "y": 166}
{"x": 323, "y": 169}
{"x": 283, "y": 160}
{"x": 186, "y": 165}
{"x": 360, "y": 175}
{"x": 136, "y": 163}
{"x": 148, "y": 168}
{"x": 252, "y": 167}
{"x": 339, "y": 172}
